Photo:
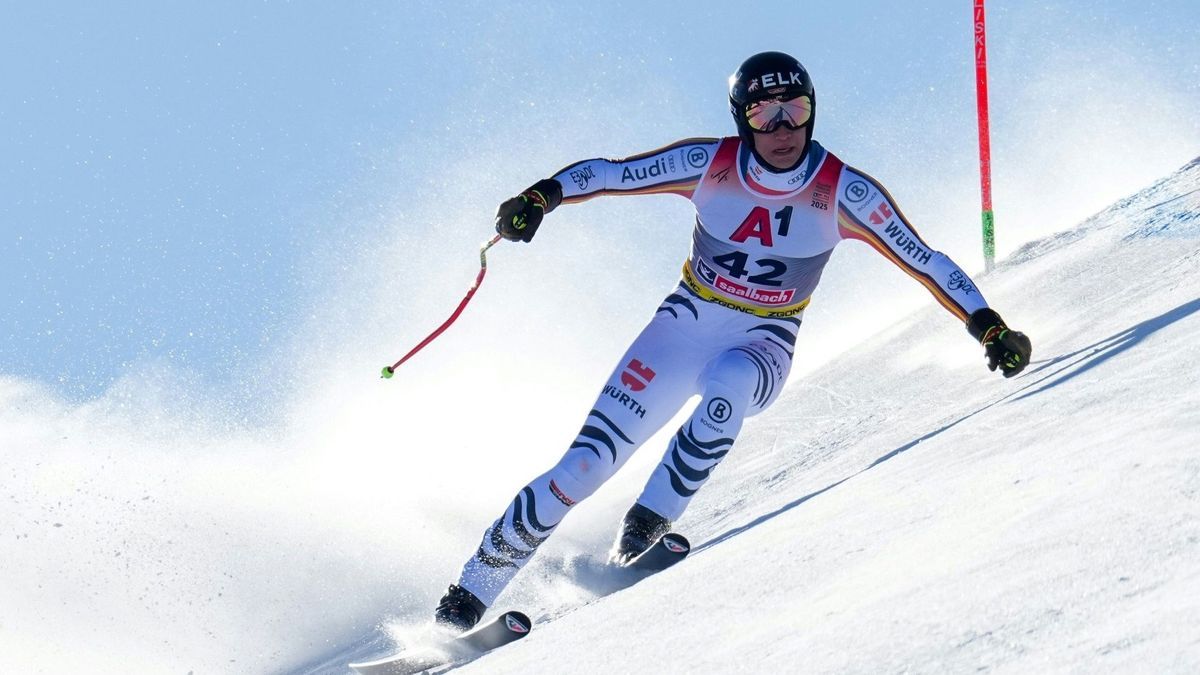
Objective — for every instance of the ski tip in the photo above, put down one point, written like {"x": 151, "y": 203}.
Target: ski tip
{"x": 517, "y": 623}
{"x": 676, "y": 543}
{"x": 506, "y": 628}
{"x": 668, "y": 550}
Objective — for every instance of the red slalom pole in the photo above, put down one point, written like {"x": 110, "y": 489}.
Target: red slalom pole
{"x": 388, "y": 371}
{"x": 985, "y": 145}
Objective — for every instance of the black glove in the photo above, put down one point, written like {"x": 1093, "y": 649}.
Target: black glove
{"x": 518, "y": 218}
{"x": 1006, "y": 349}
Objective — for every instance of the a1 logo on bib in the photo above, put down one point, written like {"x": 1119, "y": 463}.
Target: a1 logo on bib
{"x": 757, "y": 225}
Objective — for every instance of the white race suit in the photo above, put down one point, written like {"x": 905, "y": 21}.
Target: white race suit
{"x": 727, "y": 332}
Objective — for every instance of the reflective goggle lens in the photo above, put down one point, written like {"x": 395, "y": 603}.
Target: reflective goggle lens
{"x": 767, "y": 115}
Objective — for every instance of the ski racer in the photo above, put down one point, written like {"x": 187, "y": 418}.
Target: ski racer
{"x": 771, "y": 204}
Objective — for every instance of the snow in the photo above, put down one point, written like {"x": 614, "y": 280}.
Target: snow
{"x": 899, "y": 509}
{"x": 902, "y": 509}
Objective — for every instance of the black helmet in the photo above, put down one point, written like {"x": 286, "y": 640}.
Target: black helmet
{"x": 769, "y": 75}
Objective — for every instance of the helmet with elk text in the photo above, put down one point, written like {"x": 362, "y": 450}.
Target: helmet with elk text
{"x": 769, "y": 89}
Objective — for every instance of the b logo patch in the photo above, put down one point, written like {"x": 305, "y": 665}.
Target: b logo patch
{"x": 719, "y": 410}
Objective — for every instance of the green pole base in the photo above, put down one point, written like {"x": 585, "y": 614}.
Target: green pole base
{"x": 989, "y": 240}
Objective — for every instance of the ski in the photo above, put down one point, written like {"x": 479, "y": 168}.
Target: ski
{"x": 510, "y": 626}
{"x": 506, "y": 628}
{"x": 668, "y": 550}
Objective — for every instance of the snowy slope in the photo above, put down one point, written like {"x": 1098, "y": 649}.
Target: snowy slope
{"x": 900, "y": 508}
{"x": 904, "y": 510}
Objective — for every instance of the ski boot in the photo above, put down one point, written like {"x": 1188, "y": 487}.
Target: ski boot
{"x": 641, "y": 529}
{"x": 459, "y": 609}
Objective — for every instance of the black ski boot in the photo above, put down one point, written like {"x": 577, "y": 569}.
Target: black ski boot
{"x": 640, "y": 530}
{"x": 459, "y": 609}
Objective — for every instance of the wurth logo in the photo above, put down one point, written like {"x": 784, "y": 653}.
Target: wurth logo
{"x": 881, "y": 214}
{"x": 636, "y": 375}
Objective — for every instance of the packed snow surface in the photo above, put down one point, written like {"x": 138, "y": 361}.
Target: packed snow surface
{"x": 905, "y": 510}
{"x": 899, "y": 509}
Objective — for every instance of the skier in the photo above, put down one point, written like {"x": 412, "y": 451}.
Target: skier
{"x": 771, "y": 204}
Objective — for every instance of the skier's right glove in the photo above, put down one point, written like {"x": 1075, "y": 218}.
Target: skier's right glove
{"x": 1006, "y": 349}
{"x": 518, "y": 218}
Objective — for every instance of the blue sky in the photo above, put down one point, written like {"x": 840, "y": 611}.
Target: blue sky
{"x": 202, "y": 187}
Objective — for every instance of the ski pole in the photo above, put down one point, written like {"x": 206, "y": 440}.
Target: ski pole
{"x": 388, "y": 371}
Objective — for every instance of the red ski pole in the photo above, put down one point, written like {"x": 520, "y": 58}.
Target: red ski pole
{"x": 985, "y": 142}
{"x": 388, "y": 371}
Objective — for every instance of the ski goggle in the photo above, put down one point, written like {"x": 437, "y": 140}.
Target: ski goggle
{"x": 765, "y": 116}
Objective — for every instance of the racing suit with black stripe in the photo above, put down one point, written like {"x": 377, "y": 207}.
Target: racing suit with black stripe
{"x": 726, "y": 333}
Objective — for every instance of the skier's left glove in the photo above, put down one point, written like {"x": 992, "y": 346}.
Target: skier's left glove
{"x": 518, "y": 218}
{"x": 1006, "y": 349}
